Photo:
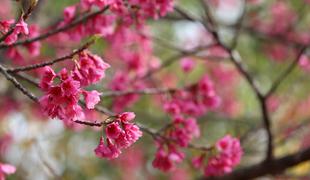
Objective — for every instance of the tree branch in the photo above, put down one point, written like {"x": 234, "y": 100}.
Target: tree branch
{"x": 139, "y": 91}
{"x": 272, "y": 167}
{"x": 237, "y": 61}
{"x": 51, "y": 62}
{"x": 57, "y": 30}
{"x": 17, "y": 84}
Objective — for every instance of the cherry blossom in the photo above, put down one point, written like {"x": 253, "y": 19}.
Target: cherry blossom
{"x": 6, "y": 169}
{"x": 121, "y": 133}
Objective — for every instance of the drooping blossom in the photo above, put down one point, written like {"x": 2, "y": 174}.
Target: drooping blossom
{"x": 229, "y": 156}
{"x": 109, "y": 151}
{"x": 167, "y": 158}
{"x": 120, "y": 134}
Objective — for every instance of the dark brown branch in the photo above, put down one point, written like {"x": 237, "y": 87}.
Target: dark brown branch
{"x": 237, "y": 61}
{"x": 27, "y": 78}
{"x": 88, "y": 123}
{"x": 274, "y": 166}
{"x": 17, "y": 84}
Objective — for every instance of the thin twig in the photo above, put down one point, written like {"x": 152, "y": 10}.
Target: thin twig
{"x": 139, "y": 91}
{"x": 51, "y": 62}
{"x": 175, "y": 57}
{"x": 285, "y": 74}
{"x": 17, "y": 84}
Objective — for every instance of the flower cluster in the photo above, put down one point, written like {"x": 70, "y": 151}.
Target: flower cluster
{"x": 229, "y": 153}
{"x": 181, "y": 132}
{"x": 184, "y": 130}
{"x": 191, "y": 103}
{"x": 120, "y": 134}
{"x": 62, "y": 99}
{"x": 6, "y": 169}
{"x": 140, "y": 8}
{"x": 18, "y": 29}
{"x": 129, "y": 12}
{"x": 134, "y": 48}
{"x": 195, "y": 101}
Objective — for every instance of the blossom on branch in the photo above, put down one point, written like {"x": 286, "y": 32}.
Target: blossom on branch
{"x": 121, "y": 133}
{"x": 61, "y": 99}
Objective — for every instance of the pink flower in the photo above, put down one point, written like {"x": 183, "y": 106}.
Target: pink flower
{"x": 172, "y": 108}
{"x": 187, "y": 64}
{"x": 113, "y": 130}
{"x": 6, "y": 25}
{"x": 22, "y": 27}
{"x": 229, "y": 156}
{"x": 127, "y": 116}
{"x": 162, "y": 161}
{"x": 198, "y": 161}
{"x": 47, "y": 78}
{"x": 133, "y": 133}
{"x": 11, "y": 38}
{"x": 6, "y": 169}
{"x": 304, "y": 63}
{"x": 70, "y": 87}
{"x": 166, "y": 160}
{"x": 61, "y": 100}
{"x": 206, "y": 86}
{"x": 109, "y": 151}
{"x": 231, "y": 148}
{"x": 184, "y": 130}
{"x": 91, "y": 69}
{"x": 91, "y": 98}
{"x": 87, "y": 4}
{"x": 69, "y": 13}
{"x": 120, "y": 134}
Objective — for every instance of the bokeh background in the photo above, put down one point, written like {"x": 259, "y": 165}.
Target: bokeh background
{"x": 43, "y": 148}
